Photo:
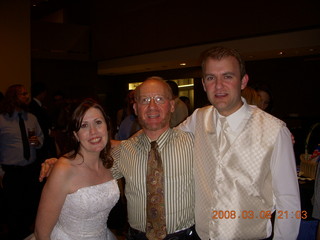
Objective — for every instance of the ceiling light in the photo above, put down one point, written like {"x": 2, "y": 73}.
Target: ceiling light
{"x": 186, "y": 85}
{"x": 183, "y": 64}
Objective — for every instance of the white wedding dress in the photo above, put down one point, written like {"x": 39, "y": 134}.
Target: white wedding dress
{"x": 85, "y": 212}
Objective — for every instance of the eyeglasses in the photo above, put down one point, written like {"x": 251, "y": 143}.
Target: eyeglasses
{"x": 147, "y": 100}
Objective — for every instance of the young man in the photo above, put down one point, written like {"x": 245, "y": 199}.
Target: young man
{"x": 251, "y": 173}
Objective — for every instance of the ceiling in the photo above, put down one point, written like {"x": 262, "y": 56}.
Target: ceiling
{"x": 289, "y": 44}
{"x": 42, "y": 8}
{"x": 292, "y": 44}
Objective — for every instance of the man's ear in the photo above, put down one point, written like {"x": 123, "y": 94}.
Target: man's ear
{"x": 172, "y": 104}
{"x": 244, "y": 81}
{"x": 135, "y": 108}
{"x": 204, "y": 86}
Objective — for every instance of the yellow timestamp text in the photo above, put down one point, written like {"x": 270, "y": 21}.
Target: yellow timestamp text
{"x": 249, "y": 214}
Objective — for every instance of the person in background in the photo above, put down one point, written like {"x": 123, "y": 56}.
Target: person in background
{"x": 180, "y": 108}
{"x": 61, "y": 112}
{"x": 251, "y": 96}
{"x": 80, "y": 191}
{"x": 244, "y": 164}
{"x": 126, "y": 108}
{"x": 129, "y": 123}
{"x": 57, "y": 110}
{"x": 36, "y": 107}
{"x": 60, "y": 117}
{"x": 21, "y": 188}
{"x": 186, "y": 101}
{"x": 266, "y": 99}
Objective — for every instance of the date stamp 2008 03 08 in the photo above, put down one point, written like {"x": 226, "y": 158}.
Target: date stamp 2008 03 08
{"x": 249, "y": 214}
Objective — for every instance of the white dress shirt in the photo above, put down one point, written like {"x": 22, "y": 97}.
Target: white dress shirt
{"x": 282, "y": 166}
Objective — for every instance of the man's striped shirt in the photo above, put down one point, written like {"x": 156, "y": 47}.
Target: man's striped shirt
{"x": 176, "y": 150}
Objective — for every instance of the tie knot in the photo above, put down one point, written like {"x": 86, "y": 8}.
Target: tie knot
{"x": 20, "y": 115}
{"x": 223, "y": 121}
{"x": 154, "y": 145}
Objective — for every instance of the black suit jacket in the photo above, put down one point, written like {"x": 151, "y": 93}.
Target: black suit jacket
{"x": 48, "y": 148}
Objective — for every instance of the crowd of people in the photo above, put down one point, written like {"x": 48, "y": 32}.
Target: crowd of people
{"x": 227, "y": 171}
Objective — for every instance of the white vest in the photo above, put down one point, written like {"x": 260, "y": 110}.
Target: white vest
{"x": 234, "y": 191}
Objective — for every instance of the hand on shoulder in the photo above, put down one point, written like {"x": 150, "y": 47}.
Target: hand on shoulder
{"x": 48, "y": 164}
{"x": 46, "y": 168}
{"x": 62, "y": 172}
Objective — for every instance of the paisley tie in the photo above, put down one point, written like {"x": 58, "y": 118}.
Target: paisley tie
{"x": 156, "y": 218}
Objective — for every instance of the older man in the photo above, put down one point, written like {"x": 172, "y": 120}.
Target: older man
{"x": 154, "y": 105}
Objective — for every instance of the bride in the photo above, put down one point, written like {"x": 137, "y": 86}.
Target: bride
{"x": 80, "y": 192}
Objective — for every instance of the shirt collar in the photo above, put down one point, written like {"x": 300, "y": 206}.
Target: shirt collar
{"x": 15, "y": 114}
{"x": 160, "y": 141}
{"x": 37, "y": 101}
{"x": 235, "y": 119}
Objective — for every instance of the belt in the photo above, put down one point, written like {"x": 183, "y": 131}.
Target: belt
{"x": 189, "y": 233}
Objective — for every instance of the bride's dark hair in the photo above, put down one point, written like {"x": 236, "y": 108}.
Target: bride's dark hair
{"x": 75, "y": 124}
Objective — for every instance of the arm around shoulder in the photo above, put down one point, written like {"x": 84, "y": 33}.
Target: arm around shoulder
{"x": 189, "y": 124}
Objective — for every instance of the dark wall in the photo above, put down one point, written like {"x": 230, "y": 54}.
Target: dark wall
{"x": 126, "y": 28}
{"x": 75, "y": 78}
{"x": 293, "y": 82}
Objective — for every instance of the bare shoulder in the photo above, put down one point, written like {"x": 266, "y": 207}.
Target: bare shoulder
{"x": 62, "y": 172}
{"x": 63, "y": 165}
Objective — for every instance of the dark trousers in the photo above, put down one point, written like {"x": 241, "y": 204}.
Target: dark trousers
{"x": 187, "y": 234}
{"x": 21, "y": 190}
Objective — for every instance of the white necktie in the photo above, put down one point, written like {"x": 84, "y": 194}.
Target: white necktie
{"x": 223, "y": 138}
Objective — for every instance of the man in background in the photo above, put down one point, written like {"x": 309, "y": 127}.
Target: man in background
{"x": 21, "y": 188}
{"x": 36, "y": 107}
{"x": 180, "y": 108}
